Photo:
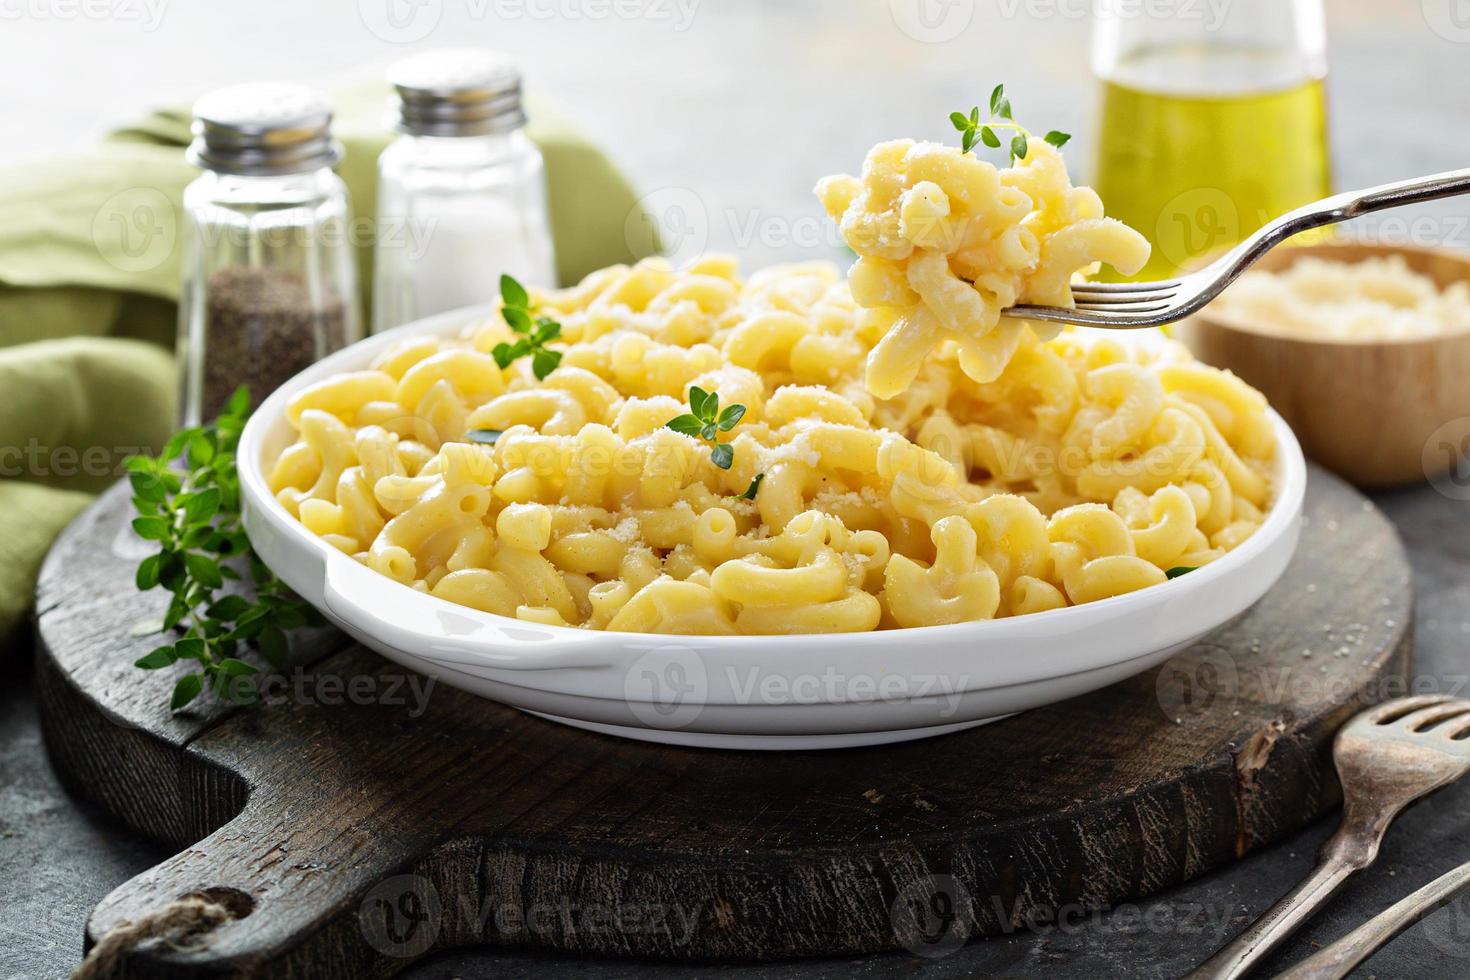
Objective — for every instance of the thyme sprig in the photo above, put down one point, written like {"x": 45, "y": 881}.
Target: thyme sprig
{"x": 705, "y": 421}
{"x": 188, "y": 501}
{"x": 536, "y": 331}
{"x": 974, "y": 131}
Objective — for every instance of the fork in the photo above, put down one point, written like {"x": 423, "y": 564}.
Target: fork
{"x": 1153, "y": 304}
{"x": 1387, "y": 757}
{"x": 1339, "y": 959}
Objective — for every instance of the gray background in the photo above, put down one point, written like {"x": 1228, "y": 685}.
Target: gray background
{"x": 728, "y": 117}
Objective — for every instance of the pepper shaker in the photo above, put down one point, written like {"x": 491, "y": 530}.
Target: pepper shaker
{"x": 461, "y": 193}
{"x": 269, "y": 285}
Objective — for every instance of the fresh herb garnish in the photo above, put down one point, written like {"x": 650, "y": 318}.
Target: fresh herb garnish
{"x": 754, "y": 487}
{"x": 536, "y": 332}
{"x": 705, "y": 421}
{"x": 485, "y": 437}
{"x": 188, "y": 501}
{"x": 1179, "y": 570}
{"x": 973, "y": 131}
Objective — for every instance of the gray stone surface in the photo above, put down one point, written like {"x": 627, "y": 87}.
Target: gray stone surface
{"x": 739, "y": 110}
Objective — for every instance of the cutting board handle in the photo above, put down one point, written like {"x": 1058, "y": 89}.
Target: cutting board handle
{"x": 295, "y": 886}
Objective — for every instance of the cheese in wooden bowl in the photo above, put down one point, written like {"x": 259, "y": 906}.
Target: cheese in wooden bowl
{"x": 1364, "y": 349}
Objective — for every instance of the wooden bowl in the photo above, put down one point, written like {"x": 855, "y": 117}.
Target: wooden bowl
{"x": 1380, "y": 413}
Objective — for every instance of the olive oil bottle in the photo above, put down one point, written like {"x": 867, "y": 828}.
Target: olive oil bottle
{"x": 1202, "y": 142}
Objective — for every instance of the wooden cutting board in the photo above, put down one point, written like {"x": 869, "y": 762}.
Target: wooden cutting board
{"x": 360, "y": 821}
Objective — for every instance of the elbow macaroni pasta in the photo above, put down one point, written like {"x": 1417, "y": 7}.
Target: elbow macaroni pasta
{"x": 923, "y": 461}
{"x": 945, "y": 241}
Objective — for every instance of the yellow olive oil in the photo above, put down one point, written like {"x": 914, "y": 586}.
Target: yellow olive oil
{"x": 1195, "y": 171}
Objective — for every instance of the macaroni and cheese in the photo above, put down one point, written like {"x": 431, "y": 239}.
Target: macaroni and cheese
{"x": 945, "y": 241}
{"x": 920, "y": 463}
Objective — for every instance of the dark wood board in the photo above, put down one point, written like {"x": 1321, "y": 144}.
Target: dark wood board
{"x": 360, "y": 832}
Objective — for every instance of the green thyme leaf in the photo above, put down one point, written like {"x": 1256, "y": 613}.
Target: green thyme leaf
{"x": 961, "y": 122}
{"x": 754, "y": 488}
{"x": 230, "y": 608}
{"x": 687, "y": 425}
{"x": 148, "y": 571}
{"x": 543, "y": 362}
{"x": 236, "y": 668}
{"x": 988, "y": 137}
{"x": 191, "y": 648}
{"x": 1057, "y": 138}
{"x": 202, "y": 506}
{"x": 273, "y": 646}
{"x": 158, "y": 659}
{"x": 512, "y": 293}
{"x": 1179, "y": 570}
{"x": 152, "y": 528}
{"x": 996, "y": 95}
{"x": 239, "y": 404}
{"x": 723, "y": 455}
{"x": 697, "y": 399}
{"x": 186, "y": 690}
{"x": 147, "y": 486}
{"x": 204, "y": 569}
{"x": 731, "y": 417}
{"x": 1019, "y": 147}
{"x": 518, "y": 318}
{"x": 486, "y": 437}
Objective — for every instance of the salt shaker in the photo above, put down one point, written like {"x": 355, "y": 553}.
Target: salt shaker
{"x": 461, "y": 193}
{"x": 269, "y": 284}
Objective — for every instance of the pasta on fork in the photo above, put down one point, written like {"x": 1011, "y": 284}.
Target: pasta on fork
{"x": 945, "y": 241}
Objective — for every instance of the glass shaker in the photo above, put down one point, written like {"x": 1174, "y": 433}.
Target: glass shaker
{"x": 269, "y": 285}
{"x": 462, "y": 193}
{"x": 1213, "y": 122}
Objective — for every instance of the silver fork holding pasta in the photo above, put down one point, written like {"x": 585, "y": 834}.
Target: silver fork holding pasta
{"x": 1153, "y": 304}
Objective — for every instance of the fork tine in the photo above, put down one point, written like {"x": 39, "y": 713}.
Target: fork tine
{"x": 1418, "y": 721}
{"x": 1125, "y": 287}
{"x": 1141, "y": 307}
{"x": 1120, "y": 299}
{"x": 1391, "y": 711}
{"x": 1455, "y": 729}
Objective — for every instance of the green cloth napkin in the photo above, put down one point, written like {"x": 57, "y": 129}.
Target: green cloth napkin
{"x": 89, "y": 281}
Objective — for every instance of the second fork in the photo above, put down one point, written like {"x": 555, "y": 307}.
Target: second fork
{"x": 1387, "y": 757}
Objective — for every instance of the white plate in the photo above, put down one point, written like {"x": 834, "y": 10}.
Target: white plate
{"x": 776, "y": 692}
